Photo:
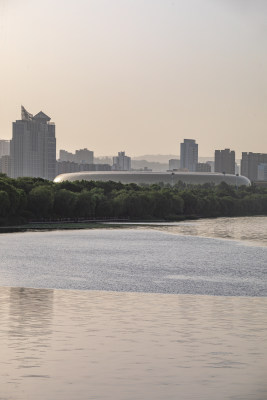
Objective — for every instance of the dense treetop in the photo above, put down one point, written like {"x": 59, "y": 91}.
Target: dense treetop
{"x": 26, "y": 199}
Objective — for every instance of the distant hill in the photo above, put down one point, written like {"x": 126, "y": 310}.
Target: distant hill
{"x": 164, "y": 158}
{"x": 158, "y": 158}
{"x": 155, "y": 166}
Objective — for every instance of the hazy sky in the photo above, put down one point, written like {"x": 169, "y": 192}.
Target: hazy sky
{"x": 138, "y": 76}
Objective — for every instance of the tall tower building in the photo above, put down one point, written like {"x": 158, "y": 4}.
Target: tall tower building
{"x": 225, "y": 161}
{"x": 33, "y": 146}
{"x": 189, "y": 155}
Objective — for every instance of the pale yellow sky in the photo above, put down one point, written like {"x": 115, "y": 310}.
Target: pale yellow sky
{"x": 138, "y": 76}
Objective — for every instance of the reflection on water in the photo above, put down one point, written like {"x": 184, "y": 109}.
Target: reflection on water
{"x": 29, "y": 328}
{"x": 104, "y": 345}
{"x": 30, "y": 310}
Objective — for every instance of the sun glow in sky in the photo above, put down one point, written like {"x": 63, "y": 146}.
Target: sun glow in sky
{"x": 138, "y": 76}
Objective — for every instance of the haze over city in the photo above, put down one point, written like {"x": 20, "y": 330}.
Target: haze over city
{"x": 133, "y": 199}
{"x": 138, "y": 76}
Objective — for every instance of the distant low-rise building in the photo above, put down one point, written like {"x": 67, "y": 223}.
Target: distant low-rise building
{"x": 102, "y": 167}
{"x": 174, "y": 164}
{"x": 212, "y": 165}
{"x": 65, "y": 167}
{"x": 225, "y": 161}
{"x": 203, "y": 167}
{"x": 103, "y": 160}
{"x": 250, "y": 163}
{"x": 4, "y": 148}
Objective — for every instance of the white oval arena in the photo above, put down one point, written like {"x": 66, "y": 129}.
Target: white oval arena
{"x": 195, "y": 178}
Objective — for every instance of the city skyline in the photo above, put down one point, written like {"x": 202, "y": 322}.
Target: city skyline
{"x": 33, "y": 154}
{"x": 178, "y": 154}
{"x": 202, "y": 153}
{"x": 139, "y": 76}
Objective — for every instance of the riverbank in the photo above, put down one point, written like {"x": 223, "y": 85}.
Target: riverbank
{"x": 55, "y": 226}
{"x": 92, "y": 224}
{"x": 111, "y": 224}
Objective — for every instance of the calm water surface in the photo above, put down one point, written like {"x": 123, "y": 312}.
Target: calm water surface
{"x": 156, "y": 260}
{"x": 166, "y": 312}
{"x": 102, "y": 345}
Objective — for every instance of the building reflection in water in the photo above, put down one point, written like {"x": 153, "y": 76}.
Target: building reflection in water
{"x": 30, "y": 319}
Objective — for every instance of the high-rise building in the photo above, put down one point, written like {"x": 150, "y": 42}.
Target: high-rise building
{"x": 33, "y": 146}
{"x": 66, "y": 156}
{"x": 189, "y": 155}
{"x": 262, "y": 172}
{"x": 249, "y": 164}
{"x": 5, "y": 165}
{"x": 4, "y": 148}
{"x": 225, "y": 161}
{"x": 121, "y": 162}
{"x": 84, "y": 156}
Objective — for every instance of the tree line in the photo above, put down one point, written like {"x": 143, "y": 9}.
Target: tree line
{"x": 26, "y": 199}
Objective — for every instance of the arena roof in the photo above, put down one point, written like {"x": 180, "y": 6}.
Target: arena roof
{"x": 195, "y": 178}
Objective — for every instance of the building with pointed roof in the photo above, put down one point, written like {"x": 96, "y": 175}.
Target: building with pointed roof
{"x": 33, "y": 146}
{"x": 41, "y": 116}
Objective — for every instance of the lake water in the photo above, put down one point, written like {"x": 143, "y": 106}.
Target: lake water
{"x": 173, "y": 311}
{"x": 156, "y": 259}
{"x": 252, "y": 230}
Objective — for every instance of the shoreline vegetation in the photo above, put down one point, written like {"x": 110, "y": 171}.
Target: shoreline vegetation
{"x": 38, "y": 204}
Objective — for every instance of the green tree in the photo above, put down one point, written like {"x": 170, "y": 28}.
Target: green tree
{"x": 65, "y": 203}
{"x": 177, "y": 204}
{"x": 4, "y": 204}
{"x": 40, "y": 201}
{"x": 13, "y": 194}
{"x": 190, "y": 202}
{"x": 85, "y": 204}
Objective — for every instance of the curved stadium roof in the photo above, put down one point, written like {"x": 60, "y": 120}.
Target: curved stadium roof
{"x": 195, "y": 178}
